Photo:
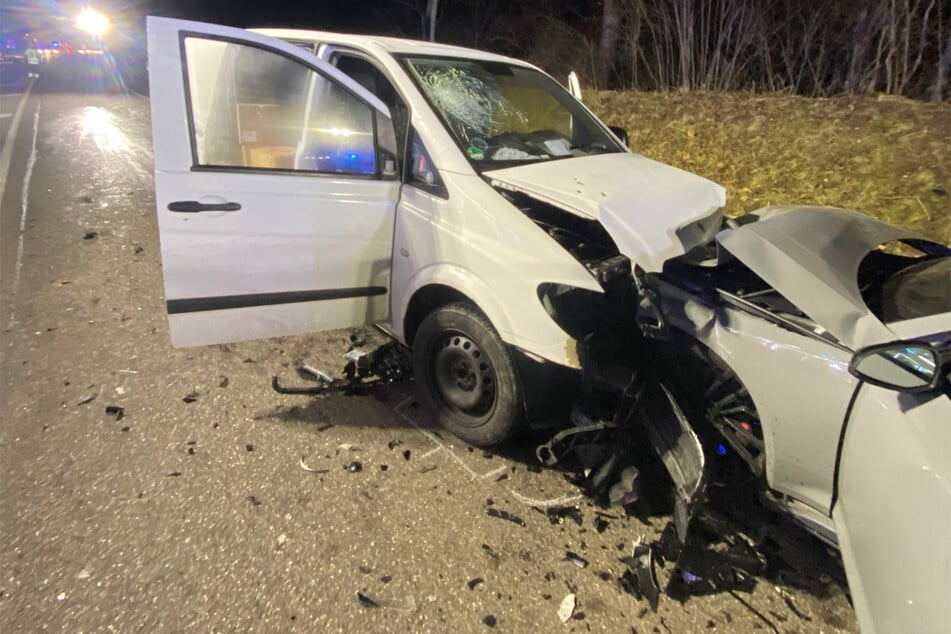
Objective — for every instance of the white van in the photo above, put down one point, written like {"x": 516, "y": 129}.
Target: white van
{"x": 308, "y": 181}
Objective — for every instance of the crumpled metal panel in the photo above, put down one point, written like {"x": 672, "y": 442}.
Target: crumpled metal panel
{"x": 811, "y": 255}
{"x": 652, "y": 211}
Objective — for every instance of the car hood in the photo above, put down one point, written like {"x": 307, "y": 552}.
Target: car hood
{"x": 652, "y": 211}
{"x": 811, "y": 255}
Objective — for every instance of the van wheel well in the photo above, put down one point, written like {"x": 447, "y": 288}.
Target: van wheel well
{"x": 426, "y": 300}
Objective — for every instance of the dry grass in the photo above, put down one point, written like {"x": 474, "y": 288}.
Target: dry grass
{"x": 889, "y": 157}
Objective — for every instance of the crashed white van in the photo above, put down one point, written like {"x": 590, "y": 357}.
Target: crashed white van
{"x": 476, "y": 211}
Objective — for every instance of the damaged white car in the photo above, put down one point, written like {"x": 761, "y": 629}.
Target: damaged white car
{"x": 477, "y": 212}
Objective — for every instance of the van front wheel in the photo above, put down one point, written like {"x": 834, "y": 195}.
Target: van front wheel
{"x": 467, "y": 375}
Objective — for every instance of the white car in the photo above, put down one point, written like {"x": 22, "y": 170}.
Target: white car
{"x": 476, "y": 211}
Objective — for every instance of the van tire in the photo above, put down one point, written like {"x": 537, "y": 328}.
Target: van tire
{"x": 467, "y": 376}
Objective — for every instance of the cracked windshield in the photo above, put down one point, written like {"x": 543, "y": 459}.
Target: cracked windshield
{"x": 499, "y": 112}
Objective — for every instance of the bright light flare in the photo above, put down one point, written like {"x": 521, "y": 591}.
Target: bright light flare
{"x": 93, "y": 22}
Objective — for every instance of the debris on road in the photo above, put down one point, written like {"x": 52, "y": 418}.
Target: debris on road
{"x": 627, "y": 488}
{"x": 407, "y": 604}
{"x": 353, "y": 467}
{"x": 567, "y": 608}
{"x": 387, "y": 364}
{"x": 173, "y": 474}
{"x": 472, "y": 583}
{"x": 505, "y": 515}
{"x": 304, "y": 369}
{"x": 87, "y": 399}
{"x": 116, "y": 411}
{"x": 558, "y": 514}
{"x": 489, "y": 620}
{"x": 640, "y": 578}
{"x": 90, "y": 235}
{"x": 254, "y": 500}
{"x": 191, "y": 397}
{"x": 601, "y": 523}
{"x": 304, "y": 466}
{"x": 576, "y": 559}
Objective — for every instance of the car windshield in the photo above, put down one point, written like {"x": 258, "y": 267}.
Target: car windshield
{"x": 502, "y": 113}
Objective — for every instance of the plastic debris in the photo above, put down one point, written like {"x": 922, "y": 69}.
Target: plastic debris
{"x": 627, "y": 489}
{"x": 116, "y": 411}
{"x": 304, "y": 466}
{"x": 407, "y": 604}
{"x": 505, "y": 515}
{"x": 640, "y": 578}
{"x": 387, "y": 364}
{"x": 353, "y": 467}
{"x": 472, "y": 583}
{"x": 567, "y": 608}
{"x": 689, "y": 577}
{"x": 576, "y": 559}
{"x": 320, "y": 375}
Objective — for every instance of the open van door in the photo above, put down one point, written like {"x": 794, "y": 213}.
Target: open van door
{"x": 275, "y": 183}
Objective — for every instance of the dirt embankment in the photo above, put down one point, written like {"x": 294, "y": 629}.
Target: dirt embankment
{"x": 886, "y": 156}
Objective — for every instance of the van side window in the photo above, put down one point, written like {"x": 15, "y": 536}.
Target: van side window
{"x": 421, "y": 171}
{"x": 372, "y": 78}
{"x": 254, "y": 108}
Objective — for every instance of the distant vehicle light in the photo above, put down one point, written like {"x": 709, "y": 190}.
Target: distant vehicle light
{"x": 93, "y": 22}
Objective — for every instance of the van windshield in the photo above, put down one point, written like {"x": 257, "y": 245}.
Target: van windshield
{"x": 502, "y": 113}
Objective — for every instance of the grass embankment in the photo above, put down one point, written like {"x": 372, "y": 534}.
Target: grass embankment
{"x": 889, "y": 157}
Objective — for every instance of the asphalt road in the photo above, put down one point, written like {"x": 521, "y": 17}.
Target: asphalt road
{"x": 194, "y": 514}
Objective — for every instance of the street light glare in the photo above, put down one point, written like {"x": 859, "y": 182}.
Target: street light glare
{"x": 93, "y": 22}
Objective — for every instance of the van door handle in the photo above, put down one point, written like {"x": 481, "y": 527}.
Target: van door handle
{"x": 193, "y": 206}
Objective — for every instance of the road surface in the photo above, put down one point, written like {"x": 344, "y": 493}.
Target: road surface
{"x": 191, "y": 512}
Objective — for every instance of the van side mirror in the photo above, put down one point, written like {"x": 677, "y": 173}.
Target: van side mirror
{"x": 902, "y": 366}
{"x": 620, "y": 133}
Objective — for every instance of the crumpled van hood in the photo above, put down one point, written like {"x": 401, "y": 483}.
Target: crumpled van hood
{"x": 652, "y": 211}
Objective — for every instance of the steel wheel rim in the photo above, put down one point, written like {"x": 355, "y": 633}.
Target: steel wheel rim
{"x": 463, "y": 376}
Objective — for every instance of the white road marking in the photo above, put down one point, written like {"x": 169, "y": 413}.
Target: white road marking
{"x": 7, "y": 152}
{"x": 25, "y": 196}
{"x": 5, "y": 115}
{"x": 431, "y": 452}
